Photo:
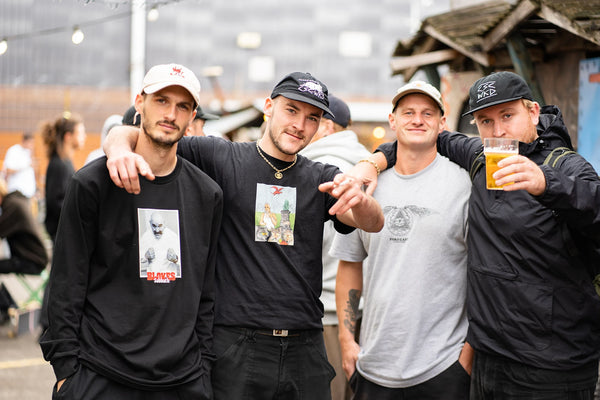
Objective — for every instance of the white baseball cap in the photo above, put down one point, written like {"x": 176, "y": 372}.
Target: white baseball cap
{"x": 419, "y": 87}
{"x": 163, "y": 75}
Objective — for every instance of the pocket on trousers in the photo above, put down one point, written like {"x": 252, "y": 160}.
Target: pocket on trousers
{"x": 64, "y": 389}
{"x": 353, "y": 380}
{"x": 226, "y": 343}
{"x": 319, "y": 352}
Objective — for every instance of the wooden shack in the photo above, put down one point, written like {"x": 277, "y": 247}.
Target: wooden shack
{"x": 542, "y": 40}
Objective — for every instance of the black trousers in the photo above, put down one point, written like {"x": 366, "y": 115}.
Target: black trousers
{"x": 452, "y": 384}
{"x": 253, "y": 365}
{"x": 498, "y": 378}
{"x": 87, "y": 384}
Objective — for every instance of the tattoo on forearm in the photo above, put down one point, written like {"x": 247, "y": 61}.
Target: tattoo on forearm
{"x": 352, "y": 313}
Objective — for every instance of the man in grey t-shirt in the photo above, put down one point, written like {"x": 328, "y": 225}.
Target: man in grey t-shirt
{"x": 413, "y": 281}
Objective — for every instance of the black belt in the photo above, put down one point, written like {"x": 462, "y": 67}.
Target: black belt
{"x": 279, "y": 332}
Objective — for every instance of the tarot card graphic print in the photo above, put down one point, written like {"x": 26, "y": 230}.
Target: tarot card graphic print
{"x": 275, "y": 214}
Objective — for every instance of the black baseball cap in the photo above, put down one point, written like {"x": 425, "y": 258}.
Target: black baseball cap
{"x": 497, "y": 88}
{"x": 303, "y": 87}
{"x": 200, "y": 114}
{"x": 341, "y": 111}
{"x": 129, "y": 115}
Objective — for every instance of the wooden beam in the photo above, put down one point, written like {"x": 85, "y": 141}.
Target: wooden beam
{"x": 478, "y": 57}
{"x": 416, "y": 61}
{"x": 523, "y": 65}
{"x": 564, "y": 22}
{"x": 523, "y": 10}
{"x": 426, "y": 47}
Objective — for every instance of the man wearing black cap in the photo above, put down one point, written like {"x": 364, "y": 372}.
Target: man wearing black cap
{"x": 268, "y": 329}
{"x": 533, "y": 311}
{"x": 196, "y": 127}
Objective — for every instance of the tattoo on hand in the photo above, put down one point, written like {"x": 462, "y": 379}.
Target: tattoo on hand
{"x": 352, "y": 313}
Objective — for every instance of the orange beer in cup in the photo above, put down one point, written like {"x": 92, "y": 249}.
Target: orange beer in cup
{"x": 496, "y": 149}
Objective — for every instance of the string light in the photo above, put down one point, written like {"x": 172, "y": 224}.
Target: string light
{"x": 379, "y": 132}
{"x": 77, "y": 36}
{"x": 153, "y": 14}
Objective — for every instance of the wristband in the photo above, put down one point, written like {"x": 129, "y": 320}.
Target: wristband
{"x": 373, "y": 163}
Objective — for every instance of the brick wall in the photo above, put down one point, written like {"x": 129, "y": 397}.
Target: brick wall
{"x": 23, "y": 108}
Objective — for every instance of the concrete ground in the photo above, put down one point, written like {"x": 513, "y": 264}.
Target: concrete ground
{"x": 24, "y": 374}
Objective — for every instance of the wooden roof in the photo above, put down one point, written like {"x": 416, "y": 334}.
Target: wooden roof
{"x": 478, "y": 34}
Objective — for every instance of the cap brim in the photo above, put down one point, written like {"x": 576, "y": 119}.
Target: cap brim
{"x": 159, "y": 86}
{"x": 493, "y": 103}
{"x": 397, "y": 97}
{"x": 305, "y": 99}
{"x": 207, "y": 116}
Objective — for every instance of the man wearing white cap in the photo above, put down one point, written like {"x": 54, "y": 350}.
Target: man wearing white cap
{"x": 413, "y": 283}
{"x": 116, "y": 330}
{"x": 268, "y": 335}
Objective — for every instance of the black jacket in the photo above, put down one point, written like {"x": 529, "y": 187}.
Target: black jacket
{"x": 18, "y": 226}
{"x": 529, "y": 299}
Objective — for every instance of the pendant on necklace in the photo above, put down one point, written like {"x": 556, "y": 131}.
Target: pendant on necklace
{"x": 278, "y": 175}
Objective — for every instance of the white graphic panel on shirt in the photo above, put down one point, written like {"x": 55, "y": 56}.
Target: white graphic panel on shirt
{"x": 275, "y": 214}
{"x": 399, "y": 221}
{"x": 160, "y": 254}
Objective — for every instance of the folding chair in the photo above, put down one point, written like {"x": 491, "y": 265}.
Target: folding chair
{"x": 35, "y": 293}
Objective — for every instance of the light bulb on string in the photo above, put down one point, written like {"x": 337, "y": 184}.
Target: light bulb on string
{"x": 3, "y": 46}
{"x": 379, "y": 132}
{"x": 77, "y": 36}
{"x": 153, "y": 14}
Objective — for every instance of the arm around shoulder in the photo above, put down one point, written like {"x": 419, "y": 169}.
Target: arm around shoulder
{"x": 123, "y": 164}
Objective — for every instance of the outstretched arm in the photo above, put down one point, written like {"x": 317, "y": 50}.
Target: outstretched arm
{"x": 348, "y": 289}
{"x": 354, "y": 207}
{"x": 123, "y": 164}
{"x": 367, "y": 170}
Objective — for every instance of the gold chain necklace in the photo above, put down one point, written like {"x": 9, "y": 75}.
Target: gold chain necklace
{"x": 278, "y": 172}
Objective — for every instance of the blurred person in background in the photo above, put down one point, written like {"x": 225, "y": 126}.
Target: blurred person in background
{"x": 196, "y": 128}
{"x": 131, "y": 117}
{"x": 62, "y": 137}
{"x": 18, "y": 226}
{"x": 18, "y": 167}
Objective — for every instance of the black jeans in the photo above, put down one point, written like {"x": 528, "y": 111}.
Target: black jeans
{"x": 87, "y": 384}
{"x": 452, "y": 384}
{"x": 254, "y": 366}
{"x": 498, "y": 378}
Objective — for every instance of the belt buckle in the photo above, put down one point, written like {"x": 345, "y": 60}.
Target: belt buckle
{"x": 280, "y": 332}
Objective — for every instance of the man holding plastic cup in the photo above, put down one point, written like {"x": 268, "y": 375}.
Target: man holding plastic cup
{"x": 534, "y": 316}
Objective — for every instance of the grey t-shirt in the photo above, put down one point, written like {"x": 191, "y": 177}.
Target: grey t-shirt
{"x": 414, "y": 275}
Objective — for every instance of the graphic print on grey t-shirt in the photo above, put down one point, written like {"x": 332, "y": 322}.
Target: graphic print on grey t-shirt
{"x": 400, "y": 220}
{"x": 160, "y": 254}
{"x": 275, "y": 214}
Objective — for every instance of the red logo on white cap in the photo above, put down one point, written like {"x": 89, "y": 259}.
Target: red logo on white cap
{"x": 177, "y": 71}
